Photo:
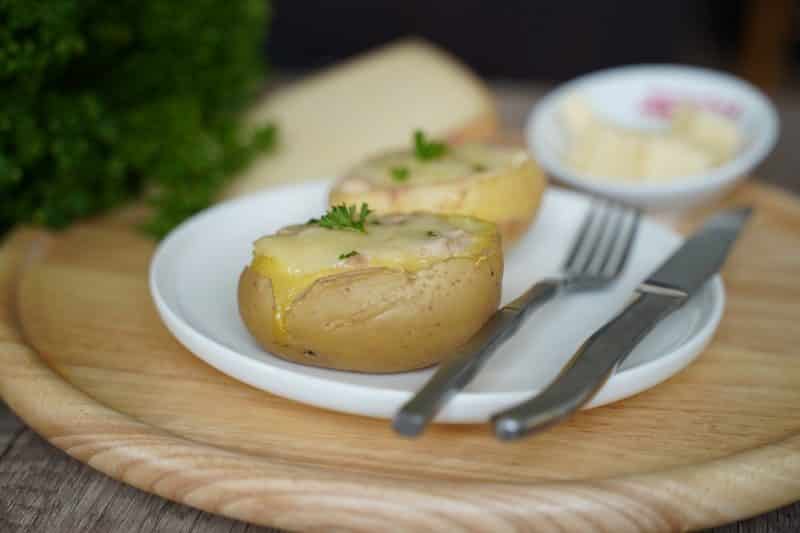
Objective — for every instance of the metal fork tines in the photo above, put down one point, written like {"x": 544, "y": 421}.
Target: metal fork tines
{"x": 602, "y": 247}
{"x": 596, "y": 259}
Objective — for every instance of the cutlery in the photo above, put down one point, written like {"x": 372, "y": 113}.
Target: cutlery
{"x": 596, "y": 259}
{"x": 667, "y": 289}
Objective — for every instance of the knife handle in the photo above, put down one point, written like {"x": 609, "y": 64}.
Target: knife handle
{"x": 455, "y": 372}
{"x": 591, "y": 366}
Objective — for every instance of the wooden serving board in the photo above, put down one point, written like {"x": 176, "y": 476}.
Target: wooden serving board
{"x": 87, "y": 363}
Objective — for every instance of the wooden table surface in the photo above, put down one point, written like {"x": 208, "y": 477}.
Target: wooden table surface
{"x": 45, "y": 490}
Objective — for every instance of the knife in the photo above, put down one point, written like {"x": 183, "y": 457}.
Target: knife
{"x": 667, "y": 289}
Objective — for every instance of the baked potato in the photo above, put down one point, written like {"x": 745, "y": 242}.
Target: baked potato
{"x": 499, "y": 184}
{"x": 399, "y": 294}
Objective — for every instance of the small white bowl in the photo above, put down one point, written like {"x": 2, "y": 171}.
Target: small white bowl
{"x": 635, "y": 96}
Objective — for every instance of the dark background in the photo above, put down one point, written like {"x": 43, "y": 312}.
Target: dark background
{"x": 531, "y": 40}
{"x": 527, "y": 45}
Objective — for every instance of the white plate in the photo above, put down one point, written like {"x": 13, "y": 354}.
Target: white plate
{"x": 194, "y": 273}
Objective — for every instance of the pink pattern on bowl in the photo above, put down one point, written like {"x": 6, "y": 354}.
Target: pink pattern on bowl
{"x": 662, "y": 103}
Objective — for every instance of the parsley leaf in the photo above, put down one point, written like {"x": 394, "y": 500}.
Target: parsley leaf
{"x": 426, "y": 150}
{"x": 344, "y": 218}
{"x": 102, "y": 105}
{"x": 432, "y": 233}
{"x": 348, "y": 254}
{"x": 400, "y": 173}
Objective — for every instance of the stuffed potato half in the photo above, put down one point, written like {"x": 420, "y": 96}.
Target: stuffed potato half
{"x": 499, "y": 184}
{"x": 401, "y": 295}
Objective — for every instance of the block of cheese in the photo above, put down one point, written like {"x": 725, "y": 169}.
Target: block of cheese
{"x": 331, "y": 120}
{"x": 663, "y": 158}
{"x": 693, "y": 141}
{"x": 714, "y": 133}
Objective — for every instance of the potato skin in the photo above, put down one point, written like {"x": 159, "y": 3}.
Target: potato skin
{"x": 379, "y": 320}
{"x": 510, "y": 198}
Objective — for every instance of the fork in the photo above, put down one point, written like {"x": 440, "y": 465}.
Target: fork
{"x": 596, "y": 259}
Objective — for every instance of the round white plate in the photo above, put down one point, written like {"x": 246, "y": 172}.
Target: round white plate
{"x": 194, "y": 274}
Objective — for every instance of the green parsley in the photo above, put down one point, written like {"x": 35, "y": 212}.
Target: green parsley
{"x": 426, "y": 150}
{"x": 400, "y": 173}
{"x": 477, "y": 167}
{"x": 432, "y": 233}
{"x": 344, "y": 217}
{"x": 348, "y": 254}
{"x": 141, "y": 100}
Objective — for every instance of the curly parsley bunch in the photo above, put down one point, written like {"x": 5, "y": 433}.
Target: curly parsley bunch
{"x": 104, "y": 101}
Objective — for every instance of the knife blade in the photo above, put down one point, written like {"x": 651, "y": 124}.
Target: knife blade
{"x": 668, "y": 288}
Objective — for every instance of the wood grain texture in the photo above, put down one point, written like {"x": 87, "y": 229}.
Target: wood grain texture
{"x": 10, "y": 428}
{"x": 46, "y": 490}
{"x": 53, "y": 492}
{"x": 144, "y": 411}
{"x": 12, "y": 253}
{"x": 784, "y": 520}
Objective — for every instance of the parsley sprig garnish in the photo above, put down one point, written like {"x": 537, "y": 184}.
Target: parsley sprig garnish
{"x": 344, "y": 217}
{"x": 426, "y": 150}
{"x": 348, "y": 254}
{"x": 400, "y": 173}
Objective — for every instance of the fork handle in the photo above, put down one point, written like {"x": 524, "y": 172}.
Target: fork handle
{"x": 455, "y": 372}
{"x": 591, "y": 366}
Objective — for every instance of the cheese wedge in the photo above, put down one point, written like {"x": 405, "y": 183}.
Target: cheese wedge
{"x": 330, "y": 121}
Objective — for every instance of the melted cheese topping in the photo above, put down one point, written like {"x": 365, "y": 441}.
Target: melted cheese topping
{"x": 458, "y": 163}
{"x": 297, "y": 256}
